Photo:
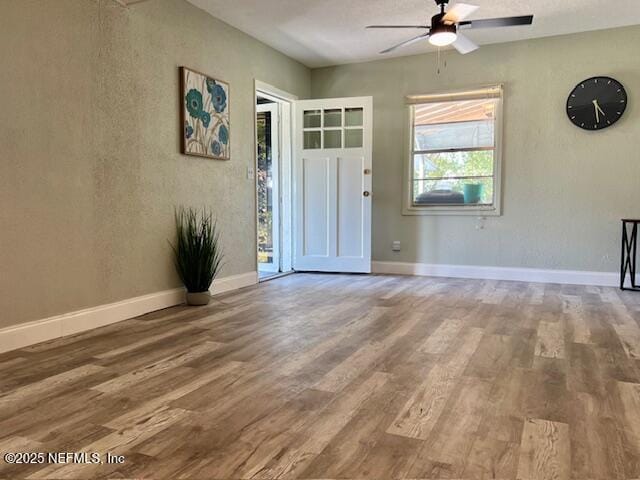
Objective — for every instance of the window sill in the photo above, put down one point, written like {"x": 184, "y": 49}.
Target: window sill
{"x": 454, "y": 210}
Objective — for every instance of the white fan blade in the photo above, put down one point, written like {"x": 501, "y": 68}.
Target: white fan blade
{"x": 458, "y": 12}
{"x": 423, "y": 36}
{"x": 464, "y": 44}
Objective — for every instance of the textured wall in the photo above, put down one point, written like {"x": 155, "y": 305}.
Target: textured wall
{"x": 564, "y": 189}
{"x": 90, "y": 168}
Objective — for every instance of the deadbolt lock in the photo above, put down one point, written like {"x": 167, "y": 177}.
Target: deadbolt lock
{"x": 365, "y": 193}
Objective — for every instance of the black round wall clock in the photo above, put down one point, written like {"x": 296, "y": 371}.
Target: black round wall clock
{"x": 596, "y": 103}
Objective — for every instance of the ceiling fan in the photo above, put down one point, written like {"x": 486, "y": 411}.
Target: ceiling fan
{"x": 445, "y": 27}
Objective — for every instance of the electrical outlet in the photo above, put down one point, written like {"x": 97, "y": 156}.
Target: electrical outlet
{"x": 250, "y": 173}
{"x": 395, "y": 246}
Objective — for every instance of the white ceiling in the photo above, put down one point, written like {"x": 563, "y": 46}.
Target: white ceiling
{"x": 329, "y": 32}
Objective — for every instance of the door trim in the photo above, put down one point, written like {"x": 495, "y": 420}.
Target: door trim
{"x": 287, "y": 234}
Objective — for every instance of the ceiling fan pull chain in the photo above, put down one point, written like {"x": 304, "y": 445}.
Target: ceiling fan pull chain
{"x": 442, "y": 61}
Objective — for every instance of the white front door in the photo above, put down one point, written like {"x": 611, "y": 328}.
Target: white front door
{"x": 333, "y": 144}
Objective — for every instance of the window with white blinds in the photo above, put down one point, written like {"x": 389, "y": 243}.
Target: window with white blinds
{"x": 455, "y": 154}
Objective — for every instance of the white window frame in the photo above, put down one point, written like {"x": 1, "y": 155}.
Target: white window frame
{"x": 472, "y": 93}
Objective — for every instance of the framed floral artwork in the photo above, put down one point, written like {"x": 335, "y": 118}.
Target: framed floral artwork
{"x": 204, "y": 115}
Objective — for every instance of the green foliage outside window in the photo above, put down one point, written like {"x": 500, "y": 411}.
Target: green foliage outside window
{"x": 477, "y": 163}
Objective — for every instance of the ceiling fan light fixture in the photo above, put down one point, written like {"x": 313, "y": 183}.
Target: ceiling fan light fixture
{"x": 441, "y": 34}
{"x": 442, "y": 39}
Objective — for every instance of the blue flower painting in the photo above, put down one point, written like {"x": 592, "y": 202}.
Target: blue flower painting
{"x": 223, "y": 134}
{"x": 205, "y": 115}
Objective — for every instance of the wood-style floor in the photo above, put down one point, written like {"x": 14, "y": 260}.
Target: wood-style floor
{"x": 340, "y": 376}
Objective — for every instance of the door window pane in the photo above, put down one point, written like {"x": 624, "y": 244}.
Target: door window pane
{"x": 333, "y": 139}
{"x": 333, "y": 118}
{"x": 312, "y": 140}
{"x": 353, "y": 138}
{"x": 353, "y": 117}
{"x": 312, "y": 118}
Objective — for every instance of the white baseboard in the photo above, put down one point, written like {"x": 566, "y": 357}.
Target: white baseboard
{"x": 571, "y": 277}
{"x": 234, "y": 282}
{"x": 19, "y": 336}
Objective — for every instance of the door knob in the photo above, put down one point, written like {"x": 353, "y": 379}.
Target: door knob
{"x": 365, "y": 193}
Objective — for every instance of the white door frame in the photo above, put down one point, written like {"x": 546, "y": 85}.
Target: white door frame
{"x": 285, "y": 103}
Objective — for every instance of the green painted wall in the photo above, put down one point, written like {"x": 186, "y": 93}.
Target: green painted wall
{"x": 90, "y": 168}
{"x": 564, "y": 189}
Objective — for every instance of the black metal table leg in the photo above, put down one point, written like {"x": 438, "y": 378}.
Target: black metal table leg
{"x": 629, "y": 254}
{"x": 623, "y": 263}
{"x": 634, "y": 243}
